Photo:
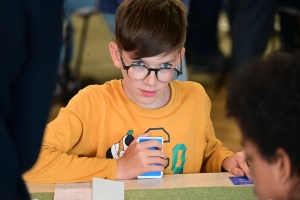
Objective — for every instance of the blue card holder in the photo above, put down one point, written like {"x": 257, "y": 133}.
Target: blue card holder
{"x": 151, "y": 174}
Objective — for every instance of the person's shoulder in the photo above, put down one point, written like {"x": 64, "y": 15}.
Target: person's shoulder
{"x": 102, "y": 92}
{"x": 112, "y": 87}
{"x": 107, "y": 86}
{"x": 189, "y": 86}
{"x": 191, "y": 92}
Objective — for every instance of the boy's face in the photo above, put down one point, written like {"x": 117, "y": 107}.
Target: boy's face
{"x": 149, "y": 92}
{"x": 267, "y": 176}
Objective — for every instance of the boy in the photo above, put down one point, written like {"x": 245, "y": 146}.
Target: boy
{"x": 265, "y": 100}
{"x": 95, "y": 135}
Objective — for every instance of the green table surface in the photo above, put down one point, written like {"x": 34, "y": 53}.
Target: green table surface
{"x": 215, "y": 193}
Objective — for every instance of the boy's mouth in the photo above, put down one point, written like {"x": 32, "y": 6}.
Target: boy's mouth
{"x": 148, "y": 93}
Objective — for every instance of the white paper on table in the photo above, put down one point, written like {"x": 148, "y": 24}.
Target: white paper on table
{"x": 73, "y": 191}
{"x": 107, "y": 189}
{"x": 103, "y": 189}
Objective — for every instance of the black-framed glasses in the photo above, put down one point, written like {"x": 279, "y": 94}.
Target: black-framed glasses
{"x": 139, "y": 71}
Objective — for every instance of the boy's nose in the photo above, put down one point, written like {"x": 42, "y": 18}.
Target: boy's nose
{"x": 151, "y": 78}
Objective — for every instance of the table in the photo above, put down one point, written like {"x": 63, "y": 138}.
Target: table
{"x": 208, "y": 183}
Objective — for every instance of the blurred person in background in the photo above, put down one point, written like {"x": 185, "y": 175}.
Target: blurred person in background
{"x": 251, "y": 26}
{"x": 202, "y": 43}
{"x": 30, "y": 39}
{"x": 289, "y": 13}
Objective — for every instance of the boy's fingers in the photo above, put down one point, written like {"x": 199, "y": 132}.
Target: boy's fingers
{"x": 156, "y": 153}
{"x": 238, "y": 172}
{"x": 157, "y": 160}
{"x": 245, "y": 168}
{"x": 151, "y": 144}
{"x": 240, "y": 159}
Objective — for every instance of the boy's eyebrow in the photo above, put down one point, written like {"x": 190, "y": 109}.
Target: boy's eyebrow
{"x": 170, "y": 61}
{"x": 173, "y": 60}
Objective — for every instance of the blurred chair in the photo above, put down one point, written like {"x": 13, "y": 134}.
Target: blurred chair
{"x": 68, "y": 77}
{"x": 85, "y": 14}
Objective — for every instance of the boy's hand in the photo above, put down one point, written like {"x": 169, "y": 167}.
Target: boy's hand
{"x": 237, "y": 165}
{"x": 138, "y": 158}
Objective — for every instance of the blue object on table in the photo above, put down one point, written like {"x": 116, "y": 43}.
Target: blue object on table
{"x": 240, "y": 180}
{"x": 151, "y": 174}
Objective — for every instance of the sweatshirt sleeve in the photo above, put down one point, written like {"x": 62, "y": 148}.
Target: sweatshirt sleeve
{"x": 215, "y": 152}
{"x": 68, "y": 152}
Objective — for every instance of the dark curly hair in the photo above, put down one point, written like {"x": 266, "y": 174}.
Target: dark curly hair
{"x": 264, "y": 97}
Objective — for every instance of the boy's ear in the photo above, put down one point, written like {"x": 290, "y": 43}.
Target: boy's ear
{"x": 182, "y": 51}
{"x": 114, "y": 53}
{"x": 182, "y": 54}
{"x": 282, "y": 167}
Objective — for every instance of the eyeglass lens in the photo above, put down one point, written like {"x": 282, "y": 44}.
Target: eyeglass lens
{"x": 141, "y": 72}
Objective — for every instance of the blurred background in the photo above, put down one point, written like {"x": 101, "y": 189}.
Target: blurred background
{"x": 222, "y": 35}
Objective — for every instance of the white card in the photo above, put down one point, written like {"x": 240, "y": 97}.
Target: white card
{"x": 107, "y": 189}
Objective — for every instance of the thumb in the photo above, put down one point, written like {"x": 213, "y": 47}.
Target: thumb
{"x": 147, "y": 134}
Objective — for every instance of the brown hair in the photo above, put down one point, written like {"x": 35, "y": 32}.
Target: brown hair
{"x": 151, "y": 27}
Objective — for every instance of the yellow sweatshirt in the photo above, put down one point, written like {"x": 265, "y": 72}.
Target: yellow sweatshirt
{"x": 99, "y": 123}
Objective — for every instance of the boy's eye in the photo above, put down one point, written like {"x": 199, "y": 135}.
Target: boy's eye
{"x": 138, "y": 63}
{"x": 165, "y": 65}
